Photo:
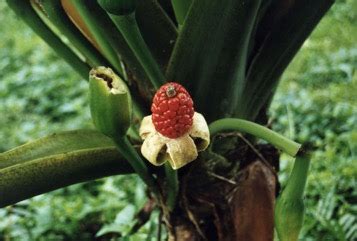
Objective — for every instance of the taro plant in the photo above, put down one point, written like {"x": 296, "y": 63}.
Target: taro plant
{"x": 179, "y": 92}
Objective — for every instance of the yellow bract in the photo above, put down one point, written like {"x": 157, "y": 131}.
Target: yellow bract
{"x": 158, "y": 149}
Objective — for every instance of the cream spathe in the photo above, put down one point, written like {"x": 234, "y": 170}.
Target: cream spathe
{"x": 158, "y": 149}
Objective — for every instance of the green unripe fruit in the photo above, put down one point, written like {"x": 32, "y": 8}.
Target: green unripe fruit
{"x": 118, "y": 7}
{"x": 110, "y": 102}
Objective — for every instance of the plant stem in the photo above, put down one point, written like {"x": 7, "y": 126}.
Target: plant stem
{"x": 128, "y": 152}
{"x": 127, "y": 25}
{"x": 172, "y": 186}
{"x": 290, "y": 208}
{"x": 297, "y": 181}
{"x": 279, "y": 141}
{"x": 181, "y": 8}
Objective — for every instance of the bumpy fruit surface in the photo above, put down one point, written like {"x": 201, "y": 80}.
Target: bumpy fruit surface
{"x": 172, "y": 110}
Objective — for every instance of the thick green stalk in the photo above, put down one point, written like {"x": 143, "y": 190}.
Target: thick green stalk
{"x": 210, "y": 54}
{"x": 282, "y": 143}
{"x": 277, "y": 50}
{"x": 31, "y": 178}
{"x": 54, "y": 11}
{"x": 290, "y": 207}
{"x": 172, "y": 186}
{"x": 128, "y": 152}
{"x": 181, "y": 8}
{"x": 130, "y": 30}
{"x": 111, "y": 110}
{"x": 89, "y": 12}
{"x": 24, "y": 10}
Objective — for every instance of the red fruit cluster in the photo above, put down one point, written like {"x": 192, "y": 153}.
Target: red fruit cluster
{"x": 172, "y": 110}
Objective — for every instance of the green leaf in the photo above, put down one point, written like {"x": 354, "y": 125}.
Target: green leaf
{"x": 119, "y": 7}
{"x": 34, "y": 177}
{"x": 122, "y": 223}
{"x": 277, "y": 50}
{"x": 210, "y": 54}
{"x": 157, "y": 29}
{"x": 111, "y": 42}
{"x": 54, "y": 144}
{"x": 181, "y": 8}
{"x": 168, "y": 8}
{"x": 128, "y": 27}
{"x": 54, "y": 11}
{"x": 57, "y": 161}
{"x": 126, "y": 215}
{"x": 100, "y": 27}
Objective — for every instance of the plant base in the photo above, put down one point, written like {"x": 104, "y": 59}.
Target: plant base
{"x": 229, "y": 202}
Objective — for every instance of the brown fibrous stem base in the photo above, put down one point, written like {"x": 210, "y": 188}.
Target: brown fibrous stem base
{"x": 227, "y": 201}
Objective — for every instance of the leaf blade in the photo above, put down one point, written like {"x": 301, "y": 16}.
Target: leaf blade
{"x": 55, "y": 144}
{"x": 211, "y": 51}
{"x": 45, "y": 174}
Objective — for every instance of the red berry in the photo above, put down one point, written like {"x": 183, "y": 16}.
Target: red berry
{"x": 172, "y": 110}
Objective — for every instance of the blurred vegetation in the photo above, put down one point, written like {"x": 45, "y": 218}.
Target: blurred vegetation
{"x": 316, "y": 104}
{"x": 39, "y": 92}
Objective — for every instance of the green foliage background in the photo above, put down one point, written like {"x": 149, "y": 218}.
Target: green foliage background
{"x": 316, "y": 103}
